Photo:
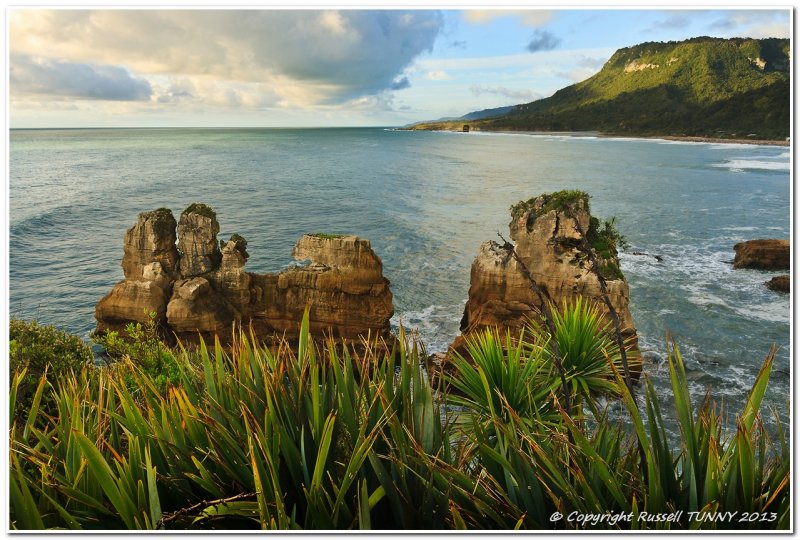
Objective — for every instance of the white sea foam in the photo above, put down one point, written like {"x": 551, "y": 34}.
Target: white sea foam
{"x": 436, "y": 325}
{"x": 739, "y": 165}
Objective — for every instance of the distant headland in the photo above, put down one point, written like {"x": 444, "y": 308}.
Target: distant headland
{"x": 702, "y": 89}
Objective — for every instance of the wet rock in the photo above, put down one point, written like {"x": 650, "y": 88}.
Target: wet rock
{"x": 779, "y": 284}
{"x": 769, "y": 254}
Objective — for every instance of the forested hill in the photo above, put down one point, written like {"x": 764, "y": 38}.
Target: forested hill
{"x": 699, "y": 87}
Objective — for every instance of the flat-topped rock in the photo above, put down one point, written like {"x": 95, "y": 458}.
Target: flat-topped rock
{"x": 763, "y": 254}
{"x": 200, "y": 287}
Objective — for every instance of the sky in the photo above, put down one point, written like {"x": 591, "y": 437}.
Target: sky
{"x": 321, "y": 67}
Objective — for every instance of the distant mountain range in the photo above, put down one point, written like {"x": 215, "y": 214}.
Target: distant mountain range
{"x": 711, "y": 87}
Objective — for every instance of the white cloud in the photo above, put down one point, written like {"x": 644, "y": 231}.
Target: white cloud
{"x": 306, "y": 56}
{"x": 527, "y": 17}
{"x": 437, "y": 75}
{"x": 755, "y": 23}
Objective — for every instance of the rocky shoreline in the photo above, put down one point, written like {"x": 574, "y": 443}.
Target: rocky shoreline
{"x": 713, "y": 140}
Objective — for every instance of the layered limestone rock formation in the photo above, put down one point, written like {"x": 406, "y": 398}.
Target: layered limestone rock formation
{"x": 200, "y": 287}
{"x": 548, "y": 234}
{"x": 762, "y": 254}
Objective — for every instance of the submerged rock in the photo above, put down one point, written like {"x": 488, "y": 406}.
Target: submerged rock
{"x": 204, "y": 290}
{"x": 779, "y": 284}
{"x": 548, "y": 235}
{"x": 769, "y": 254}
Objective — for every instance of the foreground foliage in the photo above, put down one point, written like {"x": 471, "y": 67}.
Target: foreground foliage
{"x": 279, "y": 438}
{"x": 38, "y": 349}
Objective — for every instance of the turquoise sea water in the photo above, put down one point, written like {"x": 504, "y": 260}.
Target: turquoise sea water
{"x": 426, "y": 201}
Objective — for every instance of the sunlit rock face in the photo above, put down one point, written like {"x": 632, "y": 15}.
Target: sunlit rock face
{"x": 548, "y": 241}
{"x": 200, "y": 288}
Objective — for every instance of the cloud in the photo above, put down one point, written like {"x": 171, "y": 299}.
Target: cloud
{"x": 527, "y": 17}
{"x": 517, "y": 94}
{"x": 400, "y": 84}
{"x": 584, "y": 68}
{"x": 542, "y": 40}
{"x": 309, "y": 56}
{"x": 437, "y": 75}
{"x": 44, "y": 77}
{"x": 754, "y": 23}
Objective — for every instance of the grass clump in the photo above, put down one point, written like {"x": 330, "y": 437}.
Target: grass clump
{"x": 201, "y": 209}
{"x": 327, "y": 236}
{"x": 551, "y": 201}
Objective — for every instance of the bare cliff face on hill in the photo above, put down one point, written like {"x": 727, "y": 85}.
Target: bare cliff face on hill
{"x": 548, "y": 238}
{"x": 201, "y": 288}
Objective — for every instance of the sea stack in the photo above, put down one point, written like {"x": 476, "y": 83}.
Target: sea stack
{"x": 548, "y": 232}
{"x": 768, "y": 254}
{"x": 200, "y": 287}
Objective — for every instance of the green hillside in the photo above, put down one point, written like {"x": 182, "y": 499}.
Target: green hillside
{"x": 699, "y": 87}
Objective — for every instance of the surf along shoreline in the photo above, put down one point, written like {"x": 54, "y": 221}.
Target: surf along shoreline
{"x": 598, "y": 134}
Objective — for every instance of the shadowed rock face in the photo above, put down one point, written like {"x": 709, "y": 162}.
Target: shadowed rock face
{"x": 197, "y": 239}
{"x": 762, "y": 254}
{"x": 204, "y": 289}
{"x": 548, "y": 242}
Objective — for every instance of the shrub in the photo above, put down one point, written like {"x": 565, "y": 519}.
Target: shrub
{"x": 605, "y": 240}
{"x": 142, "y": 345}
{"x": 38, "y": 348}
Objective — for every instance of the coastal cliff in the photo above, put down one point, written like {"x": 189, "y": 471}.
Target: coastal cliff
{"x": 199, "y": 287}
{"x": 550, "y": 233}
{"x": 736, "y": 88}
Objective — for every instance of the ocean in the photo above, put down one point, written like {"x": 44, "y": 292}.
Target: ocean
{"x": 426, "y": 201}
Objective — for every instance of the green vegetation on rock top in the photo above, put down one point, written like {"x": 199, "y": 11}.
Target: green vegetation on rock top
{"x": 326, "y": 236}
{"x": 201, "y": 209}
{"x": 158, "y": 213}
{"x": 551, "y": 201}
{"x": 605, "y": 240}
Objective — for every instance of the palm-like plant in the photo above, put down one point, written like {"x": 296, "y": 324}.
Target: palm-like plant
{"x": 588, "y": 349}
